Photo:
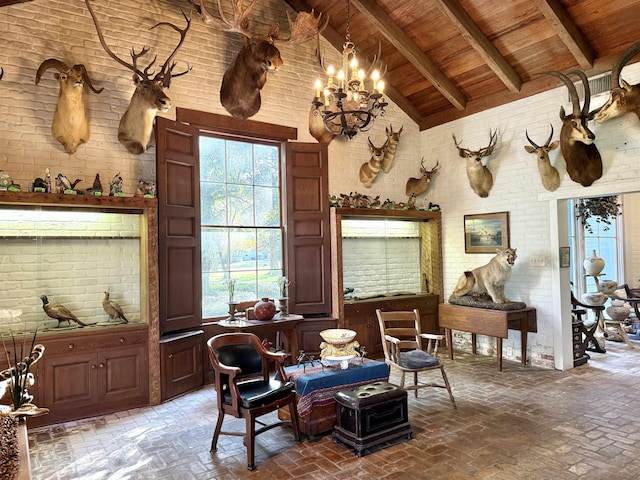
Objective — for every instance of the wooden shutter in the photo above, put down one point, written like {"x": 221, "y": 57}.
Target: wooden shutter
{"x": 178, "y": 182}
{"x": 308, "y": 238}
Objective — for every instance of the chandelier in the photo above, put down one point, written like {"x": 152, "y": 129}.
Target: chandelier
{"x": 346, "y": 106}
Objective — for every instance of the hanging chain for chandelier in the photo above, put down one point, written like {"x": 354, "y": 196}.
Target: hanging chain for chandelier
{"x": 345, "y": 104}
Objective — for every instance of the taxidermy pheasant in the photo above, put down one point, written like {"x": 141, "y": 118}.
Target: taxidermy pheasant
{"x": 113, "y": 309}
{"x": 59, "y": 312}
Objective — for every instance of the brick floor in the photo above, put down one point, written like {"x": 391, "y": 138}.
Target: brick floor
{"x": 518, "y": 424}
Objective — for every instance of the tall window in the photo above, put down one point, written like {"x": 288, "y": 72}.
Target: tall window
{"x": 606, "y": 240}
{"x": 241, "y": 221}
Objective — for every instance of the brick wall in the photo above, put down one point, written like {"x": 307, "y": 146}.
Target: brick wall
{"x": 70, "y": 257}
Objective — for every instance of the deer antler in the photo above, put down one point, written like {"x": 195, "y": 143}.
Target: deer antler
{"x": 240, "y": 22}
{"x": 458, "y": 144}
{"x": 486, "y": 151}
{"x": 165, "y": 74}
{"x": 305, "y": 27}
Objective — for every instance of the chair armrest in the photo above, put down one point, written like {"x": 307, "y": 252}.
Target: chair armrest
{"x": 391, "y": 339}
{"x": 432, "y": 336}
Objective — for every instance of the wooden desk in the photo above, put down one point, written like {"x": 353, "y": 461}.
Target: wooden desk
{"x": 493, "y": 323}
{"x": 285, "y": 325}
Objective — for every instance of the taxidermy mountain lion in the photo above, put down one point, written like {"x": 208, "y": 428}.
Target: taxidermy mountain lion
{"x": 489, "y": 278}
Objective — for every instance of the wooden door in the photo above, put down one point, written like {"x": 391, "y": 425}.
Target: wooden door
{"x": 307, "y": 227}
{"x": 178, "y": 179}
{"x": 181, "y": 363}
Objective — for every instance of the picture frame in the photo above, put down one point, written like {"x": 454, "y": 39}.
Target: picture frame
{"x": 565, "y": 257}
{"x": 486, "y": 232}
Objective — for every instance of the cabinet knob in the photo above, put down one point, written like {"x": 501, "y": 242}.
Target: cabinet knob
{"x": 122, "y": 340}
{"x": 71, "y": 346}
{"x": 93, "y": 367}
{"x": 171, "y": 356}
{"x": 102, "y": 365}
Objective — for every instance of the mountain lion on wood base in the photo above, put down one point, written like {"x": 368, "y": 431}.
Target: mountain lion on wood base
{"x": 490, "y": 278}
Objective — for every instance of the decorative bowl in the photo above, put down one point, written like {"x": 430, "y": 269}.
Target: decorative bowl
{"x": 338, "y": 336}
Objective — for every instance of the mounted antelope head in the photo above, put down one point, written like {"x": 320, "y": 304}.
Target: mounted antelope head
{"x": 393, "y": 139}
{"x": 584, "y": 164}
{"x": 136, "y": 125}
{"x": 369, "y": 170}
{"x": 623, "y": 97}
{"x": 548, "y": 173}
{"x": 70, "y": 125}
{"x": 417, "y": 186}
{"x": 245, "y": 77}
{"x": 480, "y": 177}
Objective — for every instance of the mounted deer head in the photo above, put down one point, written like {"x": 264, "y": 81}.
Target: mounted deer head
{"x": 417, "y": 186}
{"x": 548, "y": 173}
{"x": 136, "y": 125}
{"x": 623, "y": 97}
{"x": 245, "y": 77}
{"x": 480, "y": 177}
{"x": 584, "y": 164}
{"x": 389, "y": 155}
{"x": 70, "y": 125}
{"x": 369, "y": 170}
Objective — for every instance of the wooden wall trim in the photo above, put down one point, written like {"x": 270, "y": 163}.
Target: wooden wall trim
{"x": 232, "y": 126}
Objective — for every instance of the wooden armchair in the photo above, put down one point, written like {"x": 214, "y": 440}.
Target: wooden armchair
{"x": 404, "y": 348}
{"x": 245, "y": 389}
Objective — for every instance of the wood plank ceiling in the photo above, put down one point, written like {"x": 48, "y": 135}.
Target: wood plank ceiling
{"x": 447, "y": 59}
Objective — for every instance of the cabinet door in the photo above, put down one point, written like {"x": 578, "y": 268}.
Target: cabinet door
{"x": 123, "y": 377}
{"x": 181, "y": 366}
{"x": 70, "y": 381}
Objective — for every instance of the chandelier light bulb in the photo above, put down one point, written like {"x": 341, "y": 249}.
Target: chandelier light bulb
{"x": 318, "y": 87}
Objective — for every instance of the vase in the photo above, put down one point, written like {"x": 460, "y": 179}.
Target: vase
{"x": 593, "y": 265}
{"x": 593, "y": 298}
{"x": 618, "y": 310}
{"x": 283, "y": 306}
{"x": 265, "y": 309}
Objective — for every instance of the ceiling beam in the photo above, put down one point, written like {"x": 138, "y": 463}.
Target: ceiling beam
{"x": 337, "y": 40}
{"x": 407, "y": 47}
{"x": 567, "y": 30}
{"x": 480, "y": 43}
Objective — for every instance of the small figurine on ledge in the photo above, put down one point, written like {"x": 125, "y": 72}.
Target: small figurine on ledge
{"x": 484, "y": 286}
{"x": 115, "y": 185}
{"x": 146, "y": 189}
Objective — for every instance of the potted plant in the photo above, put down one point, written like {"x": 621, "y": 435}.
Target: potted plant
{"x": 600, "y": 209}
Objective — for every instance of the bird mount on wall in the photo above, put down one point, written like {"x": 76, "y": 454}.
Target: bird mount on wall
{"x": 480, "y": 177}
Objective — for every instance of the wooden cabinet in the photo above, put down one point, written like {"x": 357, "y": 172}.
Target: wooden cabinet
{"x": 181, "y": 363}
{"x": 84, "y": 374}
{"x": 361, "y": 317}
{"x": 360, "y": 314}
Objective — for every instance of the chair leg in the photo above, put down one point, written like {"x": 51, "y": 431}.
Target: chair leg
{"x": 446, "y": 383}
{"x": 415, "y": 383}
{"x": 293, "y": 413}
{"x": 216, "y": 432}
{"x": 250, "y": 441}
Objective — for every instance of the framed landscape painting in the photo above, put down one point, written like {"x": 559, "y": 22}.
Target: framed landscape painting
{"x": 486, "y": 232}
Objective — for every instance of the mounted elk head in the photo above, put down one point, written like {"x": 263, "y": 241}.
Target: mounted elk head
{"x": 623, "y": 97}
{"x": 136, "y": 125}
{"x": 369, "y": 170}
{"x": 70, "y": 125}
{"x": 480, "y": 177}
{"x": 393, "y": 140}
{"x": 584, "y": 164}
{"x": 417, "y": 186}
{"x": 548, "y": 173}
{"x": 245, "y": 77}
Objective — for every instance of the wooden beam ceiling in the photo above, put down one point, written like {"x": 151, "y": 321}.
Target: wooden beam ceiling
{"x": 566, "y": 29}
{"x": 480, "y": 43}
{"x": 411, "y": 51}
